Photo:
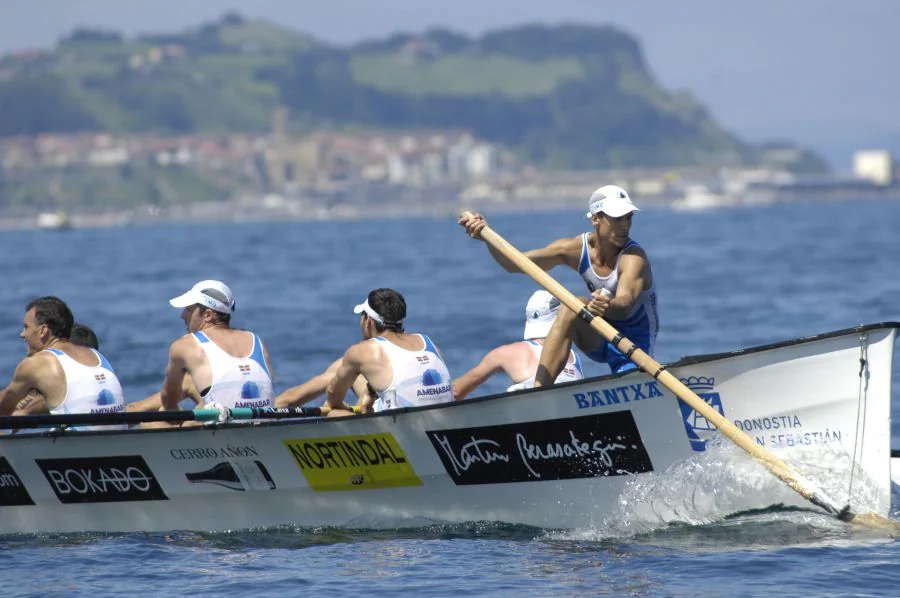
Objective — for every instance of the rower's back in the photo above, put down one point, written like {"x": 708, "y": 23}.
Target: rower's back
{"x": 229, "y": 366}
{"x": 84, "y": 383}
{"x": 417, "y": 372}
{"x": 404, "y": 370}
{"x": 234, "y": 371}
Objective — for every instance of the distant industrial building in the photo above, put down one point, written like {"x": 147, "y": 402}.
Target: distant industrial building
{"x": 874, "y": 165}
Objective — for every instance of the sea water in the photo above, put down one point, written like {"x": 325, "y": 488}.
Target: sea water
{"x": 727, "y": 278}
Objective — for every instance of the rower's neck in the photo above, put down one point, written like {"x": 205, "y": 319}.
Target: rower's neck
{"x": 55, "y": 343}
{"x": 605, "y": 252}
{"x": 206, "y": 327}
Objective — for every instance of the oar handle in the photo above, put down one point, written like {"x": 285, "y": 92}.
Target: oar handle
{"x": 139, "y": 417}
{"x": 657, "y": 371}
{"x": 96, "y": 419}
{"x": 275, "y": 413}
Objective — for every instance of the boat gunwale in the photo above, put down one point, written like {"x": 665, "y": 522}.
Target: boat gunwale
{"x": 681, "y": 362}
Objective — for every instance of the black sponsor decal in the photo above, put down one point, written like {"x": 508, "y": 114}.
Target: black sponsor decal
{"x": 235, "y": 475}
{"x": 12, "y": 491}
{"x": 606, "y": 444}
{"x": 101, "y": 479}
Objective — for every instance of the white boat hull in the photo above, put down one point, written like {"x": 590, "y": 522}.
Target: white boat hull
{"x": 566, "y": 457}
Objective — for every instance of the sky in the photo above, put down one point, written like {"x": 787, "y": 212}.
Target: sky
{"x": 822, "y": 73}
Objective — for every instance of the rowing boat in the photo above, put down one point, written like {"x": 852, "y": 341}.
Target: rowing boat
{"x": 569, "y": 456}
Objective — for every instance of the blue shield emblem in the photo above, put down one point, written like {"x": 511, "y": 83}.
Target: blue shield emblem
{"x": 250, "y": 390}
{"x": 698, "y": 428}
{"x": 431, "y": 378}
{"x": 106, "y": 397}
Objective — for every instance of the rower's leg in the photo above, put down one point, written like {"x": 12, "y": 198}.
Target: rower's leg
{"x": 566, "y": 328}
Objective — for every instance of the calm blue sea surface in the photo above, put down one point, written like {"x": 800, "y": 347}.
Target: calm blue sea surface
{"x": 727, "y": 279}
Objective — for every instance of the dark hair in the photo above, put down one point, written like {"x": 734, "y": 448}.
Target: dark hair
{"x": 390, "y": 305}
{"x": 54, "y": 313}
{"x": 219, "y": 296}
{"x": 83, "y": 335}
{"x": 218, "y": 317}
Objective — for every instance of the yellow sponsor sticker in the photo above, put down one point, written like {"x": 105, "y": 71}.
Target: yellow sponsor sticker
{"x": 353, "y": 462}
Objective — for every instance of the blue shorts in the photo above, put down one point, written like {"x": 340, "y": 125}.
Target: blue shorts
{"x": 616, "y": 360}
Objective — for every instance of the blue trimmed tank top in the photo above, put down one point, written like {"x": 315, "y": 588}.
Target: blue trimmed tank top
{"x": 644, "y": 318}
{"x": 89, "y": 389}
{"x": 571, "y": 371}
{"x": 420, "y": 377}
{"x": 238, "y": 381}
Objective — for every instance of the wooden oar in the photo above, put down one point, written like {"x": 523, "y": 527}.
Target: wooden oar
{"x": 137, "y": 417}
{"x": 649, "y": 365}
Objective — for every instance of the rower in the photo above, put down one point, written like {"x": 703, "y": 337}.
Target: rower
{"x": 34, "y": 404}
{"x": 616, "y": 271}
{"x": 70, "y": 378}
{"x": 231, "y": 366}
{"x": 519, "y": 360}
{"x": 403, "y": 369}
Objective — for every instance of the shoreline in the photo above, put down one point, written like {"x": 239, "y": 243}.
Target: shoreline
{"x": 244, "y": 211}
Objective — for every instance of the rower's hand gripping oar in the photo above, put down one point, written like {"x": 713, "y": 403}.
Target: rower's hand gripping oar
{"x": 649, "y": 365}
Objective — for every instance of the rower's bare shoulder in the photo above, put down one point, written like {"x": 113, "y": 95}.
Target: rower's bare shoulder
{"x": 361, "y": 352}
{"x": 33, "y": 369}
{"x": 634, "y": 261}
{"x": 567, "y": 249}
{"x": 183, "y": 346}
{"x": 39, "y": 363}
{"x": 637, "y": 252}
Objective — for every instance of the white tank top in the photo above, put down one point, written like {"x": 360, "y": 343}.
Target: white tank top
{"x": 644, "y": 317}
{"x": 238, "y": 381}
{"x": 420, "y": 377}
{"x": 90, "y": 389}
{"x": 571, "y": 371}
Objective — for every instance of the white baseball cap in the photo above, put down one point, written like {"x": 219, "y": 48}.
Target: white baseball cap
{"x": 540, "y": 312}
{"x": 212, "y": 294}
{"x": 369, "y": 311}
{"x": 611, "y": 200}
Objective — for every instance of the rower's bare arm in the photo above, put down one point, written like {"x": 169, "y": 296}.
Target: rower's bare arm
{"x": 154, "y": 401}
{"x": 634, "y": 279}
{"x": 151, "y": 403}
{"x": 562, "y": 252}
{"x": 309, "y": 390}
{"x": 558, "y": 253}
{"x": 348, "y": 370}
{"x": 24, "y": 381}
{"x": 365, "y": 398}
{"x": 190, "y": 390}
{"x": 489, "y": 365}
{"x": 172, "y": 393}
{"x": 268, "y": 363}
{"x": 361, "y": 390}
{"x": 555, "y": 254}
{"x": 33, "y": 404}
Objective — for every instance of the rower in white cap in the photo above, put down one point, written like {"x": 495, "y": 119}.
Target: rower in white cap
{"x": 229, "y": 367}
{"x": 520, "y": 360}
{"x": 616, "y": 271}
{"x": 403, "y": 369}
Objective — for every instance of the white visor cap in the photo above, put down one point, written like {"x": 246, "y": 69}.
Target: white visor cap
{"x": 540, "y": 313}
{"x": 612, "y": 201}
{"x": 212, "y": 294}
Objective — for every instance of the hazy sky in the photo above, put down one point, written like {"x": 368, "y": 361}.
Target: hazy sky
{"x": 825, "y": 73}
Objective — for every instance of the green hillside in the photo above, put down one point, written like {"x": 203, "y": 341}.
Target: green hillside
{"x": 564, "y": 96}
